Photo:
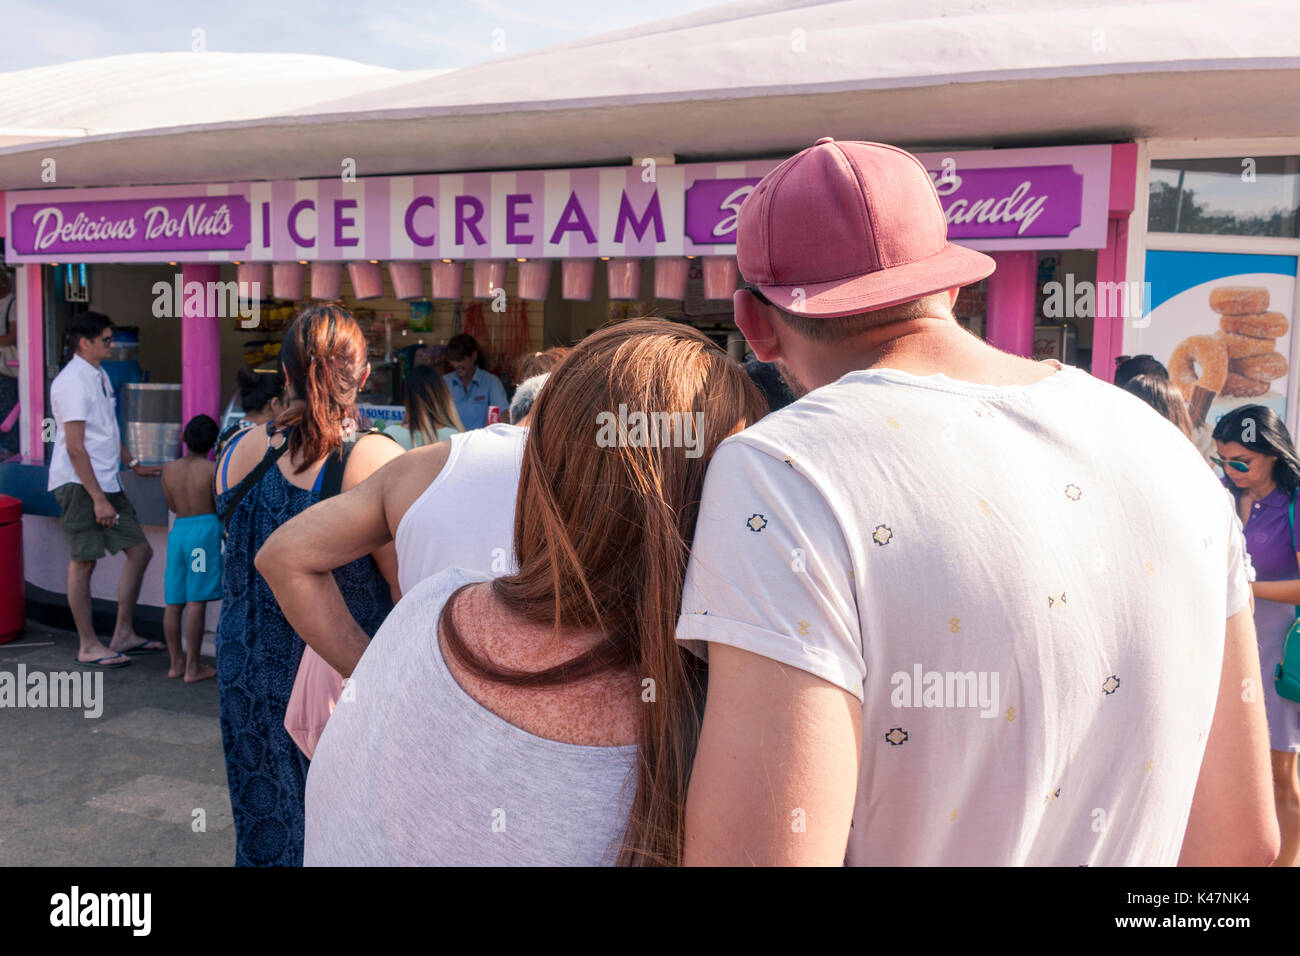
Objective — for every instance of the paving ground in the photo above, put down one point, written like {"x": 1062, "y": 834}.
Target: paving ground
{"x": 120, "y": 789}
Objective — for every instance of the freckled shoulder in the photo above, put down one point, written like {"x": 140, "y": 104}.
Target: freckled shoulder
{"x": 602, "y": 711}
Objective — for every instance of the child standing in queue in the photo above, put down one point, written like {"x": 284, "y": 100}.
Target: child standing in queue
{"x": 193, "y": 575}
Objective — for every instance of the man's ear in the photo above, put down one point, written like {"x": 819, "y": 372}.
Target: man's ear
{"x": 758, "y": 325}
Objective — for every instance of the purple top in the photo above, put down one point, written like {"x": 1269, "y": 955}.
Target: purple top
{"x": 1268, "y": 537}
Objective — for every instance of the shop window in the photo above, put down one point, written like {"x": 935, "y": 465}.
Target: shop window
{"x": 971, "y": 306}
{"x": 1238, "y": 196}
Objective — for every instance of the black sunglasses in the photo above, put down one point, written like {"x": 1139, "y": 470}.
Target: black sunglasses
{"x": 758, "y": 294}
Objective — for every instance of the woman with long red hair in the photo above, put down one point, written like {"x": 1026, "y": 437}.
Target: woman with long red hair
{"x": 549, "y": 716}
{"x": 266, "y": 475}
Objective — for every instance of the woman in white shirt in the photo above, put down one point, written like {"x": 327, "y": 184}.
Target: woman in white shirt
{"x": 548, "y": 716}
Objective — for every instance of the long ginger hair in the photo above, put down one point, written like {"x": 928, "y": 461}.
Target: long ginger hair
{"x": 603, "y": 532}
{"x": 324, "y": 362}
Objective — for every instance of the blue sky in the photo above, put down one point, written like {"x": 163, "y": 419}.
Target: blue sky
{"x": 404, "y": 36}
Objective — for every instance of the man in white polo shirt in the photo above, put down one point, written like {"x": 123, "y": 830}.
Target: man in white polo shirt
{"x": 96, "y": 515}
{"x": 960, "y": 607}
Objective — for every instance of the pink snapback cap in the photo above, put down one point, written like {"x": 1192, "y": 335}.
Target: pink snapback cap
{"x": 846, "y": 227}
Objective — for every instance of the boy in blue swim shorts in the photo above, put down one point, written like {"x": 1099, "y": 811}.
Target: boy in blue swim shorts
{"x": 193, "y": 575}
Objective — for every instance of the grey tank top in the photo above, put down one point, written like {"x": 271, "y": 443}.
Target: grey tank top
{"x": 415, "y": 772}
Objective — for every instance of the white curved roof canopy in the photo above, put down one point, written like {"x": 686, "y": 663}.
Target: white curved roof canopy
{"x": 755, "y": 78}
{"x": 140, "y": 91}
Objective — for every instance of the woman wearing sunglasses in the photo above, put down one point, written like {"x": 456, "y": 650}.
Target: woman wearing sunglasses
{"x": 1262, "y": 471}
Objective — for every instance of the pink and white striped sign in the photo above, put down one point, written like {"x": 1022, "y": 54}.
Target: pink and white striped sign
{"x": 1053, "y": 198}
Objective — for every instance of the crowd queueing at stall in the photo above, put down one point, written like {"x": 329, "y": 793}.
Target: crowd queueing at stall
{"x": 948, "y": 606}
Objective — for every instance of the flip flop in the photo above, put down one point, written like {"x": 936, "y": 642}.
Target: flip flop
{"x": 141, "y": 650}
{"x": 99, "y": 664}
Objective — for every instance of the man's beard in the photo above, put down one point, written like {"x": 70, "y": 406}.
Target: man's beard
{"x": 797, "y": 388}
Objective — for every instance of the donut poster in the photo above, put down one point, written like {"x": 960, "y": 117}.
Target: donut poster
{"x": 1223, "y": 325}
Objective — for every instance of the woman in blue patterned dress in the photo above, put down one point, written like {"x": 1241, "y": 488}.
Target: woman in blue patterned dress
{"x": 324, "y": 361}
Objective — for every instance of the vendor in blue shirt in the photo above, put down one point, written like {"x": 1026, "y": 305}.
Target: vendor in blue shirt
{"x": 473, "y": 388}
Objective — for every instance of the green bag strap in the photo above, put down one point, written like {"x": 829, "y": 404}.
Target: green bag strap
{"x": 1290, "y": 510}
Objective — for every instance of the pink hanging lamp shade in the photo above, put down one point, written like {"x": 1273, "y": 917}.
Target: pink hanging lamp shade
{"x": 671, "y": 273}
{"x": 489, "y": 276}
{"x": 287, "y": 279}
{"x": 448, "y": 278}
{"x": 577, "y": 278}
{"x": 408, "y": 279}
{"x": 254, "y": 280}
{"x": 367, "y": 279}
{"x": 720, "y": 273}
{"x": 624, "y": 277}
{"x": 326, "y": 280}
{"x": 534, "y": 279}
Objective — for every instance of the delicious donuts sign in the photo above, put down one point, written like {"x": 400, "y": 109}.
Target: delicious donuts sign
{"x": 1008, "y": 199}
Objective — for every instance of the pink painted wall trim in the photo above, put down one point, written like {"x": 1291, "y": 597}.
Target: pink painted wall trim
{"x": 31, "y": 360}
{"x": 200, "y": 351}
{"x": 1112, "y": 261}
{"x": 3, "y": 222}
{"x": 1123, "y": 177}
{"x": 1012, "y": 302}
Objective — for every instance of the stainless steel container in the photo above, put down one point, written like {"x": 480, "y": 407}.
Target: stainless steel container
{"x": 152, "y": 413}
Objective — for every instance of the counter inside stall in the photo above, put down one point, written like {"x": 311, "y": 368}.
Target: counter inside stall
{"x": 45, "y": 553}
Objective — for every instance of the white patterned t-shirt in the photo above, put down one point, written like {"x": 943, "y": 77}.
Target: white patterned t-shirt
{"x": 1026, "y": 586}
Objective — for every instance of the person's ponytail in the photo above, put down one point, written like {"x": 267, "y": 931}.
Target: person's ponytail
{"x": 324, "y": 362}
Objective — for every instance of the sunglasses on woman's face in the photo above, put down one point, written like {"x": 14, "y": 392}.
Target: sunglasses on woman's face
{"x": 1225, "y": 464}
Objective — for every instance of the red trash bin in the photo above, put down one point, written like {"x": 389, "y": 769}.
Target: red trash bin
{"x": 13, "y": 605}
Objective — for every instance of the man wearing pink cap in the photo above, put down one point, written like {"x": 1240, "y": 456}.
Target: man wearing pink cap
{"x": 960, "y": 607}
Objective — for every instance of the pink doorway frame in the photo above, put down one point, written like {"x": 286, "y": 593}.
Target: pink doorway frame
{"x": 1012, "y": 294}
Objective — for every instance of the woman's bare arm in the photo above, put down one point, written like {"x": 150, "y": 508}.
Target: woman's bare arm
{"x": 371, "y": 454}
{"x": 1284, "y": 592}
{"x": 1232, "y": 820}
{"x": 297, "y": 560}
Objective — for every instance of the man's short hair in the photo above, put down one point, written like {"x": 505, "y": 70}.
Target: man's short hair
{"x": 462, "y": 346}
{"x": 86, "y": 325}
{"x": 841, "y": 327}
{"x": 200, "y": 434}
{"x": 539, "y": 363}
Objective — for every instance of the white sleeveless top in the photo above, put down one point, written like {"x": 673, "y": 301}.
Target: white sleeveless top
{"x": 413, "y": 771}
{"x": 466, "y": 517}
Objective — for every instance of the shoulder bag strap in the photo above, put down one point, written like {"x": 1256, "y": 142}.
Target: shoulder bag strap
{"x": 253, "y": 477}
{"x": 1290, "y": 510}
{"x": 337, "y": 463}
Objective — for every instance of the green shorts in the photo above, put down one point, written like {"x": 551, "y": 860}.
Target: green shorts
{"x": 88, "y": 540}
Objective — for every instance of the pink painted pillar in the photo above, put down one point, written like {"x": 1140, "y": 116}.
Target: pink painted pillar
{"x": 30, "y": 309}
{"x": 1012, "y": 302}
{"x": 1108, "y": 330}
{"x": 200, "y": 349}
{"x": 1112, "y": 261}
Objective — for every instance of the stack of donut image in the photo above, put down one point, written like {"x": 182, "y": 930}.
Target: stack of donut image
{"x": 1239, "y": 360}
